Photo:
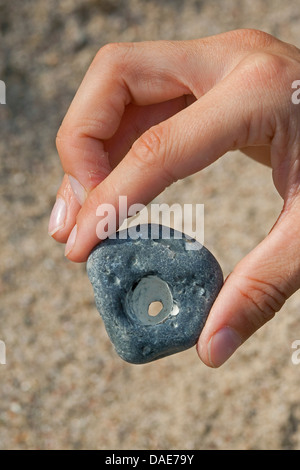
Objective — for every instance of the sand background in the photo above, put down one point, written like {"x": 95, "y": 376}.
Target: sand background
{"x": 63, "y": 386}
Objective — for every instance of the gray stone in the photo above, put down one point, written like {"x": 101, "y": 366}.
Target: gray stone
{"x": 130, "y": 275}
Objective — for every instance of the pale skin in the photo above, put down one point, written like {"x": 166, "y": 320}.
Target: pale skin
{"x": 150, "y": 113}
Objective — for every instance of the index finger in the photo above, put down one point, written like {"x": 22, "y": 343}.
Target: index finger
{"x": 140, "y": 73}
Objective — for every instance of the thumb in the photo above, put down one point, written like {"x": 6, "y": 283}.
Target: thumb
{"x": 181, "y": 145}
{"x": 256, "y": 289}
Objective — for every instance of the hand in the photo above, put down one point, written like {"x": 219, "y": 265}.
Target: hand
{"x": 147, "y": 114}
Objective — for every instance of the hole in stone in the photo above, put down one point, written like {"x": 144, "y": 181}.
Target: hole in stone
{"x": 150, "y": 300}
{"x": 154, "y": 308}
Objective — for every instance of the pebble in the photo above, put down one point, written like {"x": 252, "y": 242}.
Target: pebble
{"x": 128, "y": 274}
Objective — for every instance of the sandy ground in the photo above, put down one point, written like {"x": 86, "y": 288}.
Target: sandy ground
{"x": 63, "y": 386}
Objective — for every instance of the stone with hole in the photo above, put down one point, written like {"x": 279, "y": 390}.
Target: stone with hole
{"x": 154, "y": 294}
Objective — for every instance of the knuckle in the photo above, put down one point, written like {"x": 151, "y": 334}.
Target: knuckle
{"x": 265, "y": 299}
{"x": 61, "y": 140}
{"x": 148, "y": 148}
{"x": 264, "y": 73}
{"x": 112, "y": 54}
{"x": 257, "y": 38}
{"x": 263, "y": 65}
{"x": 251, "y": 39}
{"x": 94, "y": 127}
{"x": 269, "y": 64}
{"x": 150, "y": 152}
{"x": 106, "y": 53}
{"x": 66, "y": 140}
{"x": 264, "y": 69}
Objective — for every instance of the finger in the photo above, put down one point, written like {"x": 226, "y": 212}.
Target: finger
{"x": 180, "y": 146}
{"x": 96, "y": 111}
{"x": 254, "y": 291}
{"x": 136, "y": 120}
{"x": 64, "y": 212}
{"x": 142, "y": 74}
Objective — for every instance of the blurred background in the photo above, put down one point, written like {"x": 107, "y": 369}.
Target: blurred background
{"x": 63, "y": 386}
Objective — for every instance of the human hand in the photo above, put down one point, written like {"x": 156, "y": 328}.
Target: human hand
{"x": 148, "y": 114}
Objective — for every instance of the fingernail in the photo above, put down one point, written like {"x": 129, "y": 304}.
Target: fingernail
{"x": 71, "y": 240}
{"x": 78, "y": 190}
{"x": 57, "y": 217}
{"x": 222, "y": 345}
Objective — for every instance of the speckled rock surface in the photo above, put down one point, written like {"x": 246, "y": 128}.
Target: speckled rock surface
{"x": 129, "y": 274}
